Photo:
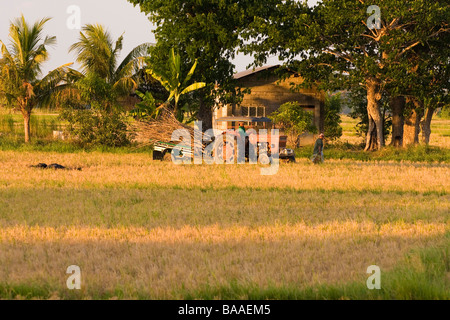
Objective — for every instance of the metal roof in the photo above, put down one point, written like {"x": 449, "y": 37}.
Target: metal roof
{"x": 249, "y": 72}
{"x": 244, "y": 119}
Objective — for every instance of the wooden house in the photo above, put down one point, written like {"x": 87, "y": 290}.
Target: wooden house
{"x": 268, "y": 93}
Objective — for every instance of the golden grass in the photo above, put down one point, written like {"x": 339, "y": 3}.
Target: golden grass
{"x": 139, "y": 171}
{"x": 161, "y": 261}
{"x": 151, "y": 228}
{"x": 216, "y": 234}
{"x": 165, "y": 207}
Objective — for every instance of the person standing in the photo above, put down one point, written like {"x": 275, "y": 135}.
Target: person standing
{"x": 241, "y": 129}
{"x": 242, "y": 135}
{"x": 318, "y": 150}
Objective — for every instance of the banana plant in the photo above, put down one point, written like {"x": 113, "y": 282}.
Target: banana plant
{"x": 172, "y": 79}
{"x": 146, "y": 108}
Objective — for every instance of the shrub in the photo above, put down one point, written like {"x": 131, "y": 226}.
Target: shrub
{"x": 96, "y": 126}
{"x": 94, "y": 117}
{"x": 294, "y": 120}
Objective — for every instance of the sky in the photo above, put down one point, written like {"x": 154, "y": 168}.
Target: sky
{"x": 119, "y": 16}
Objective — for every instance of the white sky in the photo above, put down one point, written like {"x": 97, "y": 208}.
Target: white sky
{"x": 117, "y": 15}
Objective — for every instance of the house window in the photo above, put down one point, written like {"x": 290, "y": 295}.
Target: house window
{"x": 253, "y": 111}
{"x": 261, "y": 111}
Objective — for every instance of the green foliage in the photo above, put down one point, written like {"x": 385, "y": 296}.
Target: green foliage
{"x": 92, "y": 112}
{"x": 98, "y": 54}
{"x": 94, "y": 118}
{"x": 96, "y": 126}
{"x": 294, "y": 120}
{"x": 331, "y": 46}
{"x": 146, "y": 108}
{"x": 332, "y": 120}
{"x": 206, "y": 30}
{"x": 93, "y": 88}
{"x": 444, "y": 113}
{"x": 20, "y": 69}
{"x": 171, "y": 78}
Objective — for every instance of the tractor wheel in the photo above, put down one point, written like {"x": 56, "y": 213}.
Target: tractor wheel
{"x": 225, "y": 151}
{"x": 264, "y": 159}
{"x": 167, "y": 156}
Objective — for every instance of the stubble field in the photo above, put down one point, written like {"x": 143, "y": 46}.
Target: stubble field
{"x": 142, "y": 229}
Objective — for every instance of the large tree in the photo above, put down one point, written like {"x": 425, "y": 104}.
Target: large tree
{"x": 333, "y": 44}
{"x": 207, "y": 30}
{"x": 20, "y": 66}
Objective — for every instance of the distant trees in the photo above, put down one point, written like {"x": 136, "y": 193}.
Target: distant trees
{"x": 21, "y": 83}
{"x": 332, "y": 46}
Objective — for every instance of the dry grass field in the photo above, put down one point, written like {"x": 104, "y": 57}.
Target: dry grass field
{"x": 142, "y": 229}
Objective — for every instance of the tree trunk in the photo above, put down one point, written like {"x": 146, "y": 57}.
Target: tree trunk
{"x": 371, "y": 138}
{"x": 411, "y": 128}
{"x": 205, "y": 114}
{"x": 425, "y": 125}
{"x": 375, "y": 132}
{"x": 397, "y": 107}
{"x": 26, "y": 123}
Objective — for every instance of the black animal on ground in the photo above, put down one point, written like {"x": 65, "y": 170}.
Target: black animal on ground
{"x": 54, "y": 166}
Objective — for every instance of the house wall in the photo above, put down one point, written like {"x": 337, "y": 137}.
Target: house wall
{"x": 267, "y": 91}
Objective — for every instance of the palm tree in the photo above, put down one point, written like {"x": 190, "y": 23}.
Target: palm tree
{"x": 172, "y": 80}
{"x": 98, "y": 54}
{"x": 20, "y": 68}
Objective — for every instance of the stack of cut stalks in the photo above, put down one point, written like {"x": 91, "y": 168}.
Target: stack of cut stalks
{"x": 149, "y": 131}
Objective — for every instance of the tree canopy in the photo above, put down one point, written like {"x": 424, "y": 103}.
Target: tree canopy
{"x": 98, "y": 53}
{"x": 207, "y": 31}
{"x": 332, "y": 45}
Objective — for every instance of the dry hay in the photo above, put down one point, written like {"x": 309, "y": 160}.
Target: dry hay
{"x": 160, "y": 129}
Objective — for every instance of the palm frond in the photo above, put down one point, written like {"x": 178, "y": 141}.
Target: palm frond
{"x": 133, "y": 61}
{"x": 125, "y": 85}
{"x": 94, "y": 50}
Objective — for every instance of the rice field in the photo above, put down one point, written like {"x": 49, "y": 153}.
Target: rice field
{"x": 140, "y": 229}
{"x": 42, "y": 124}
